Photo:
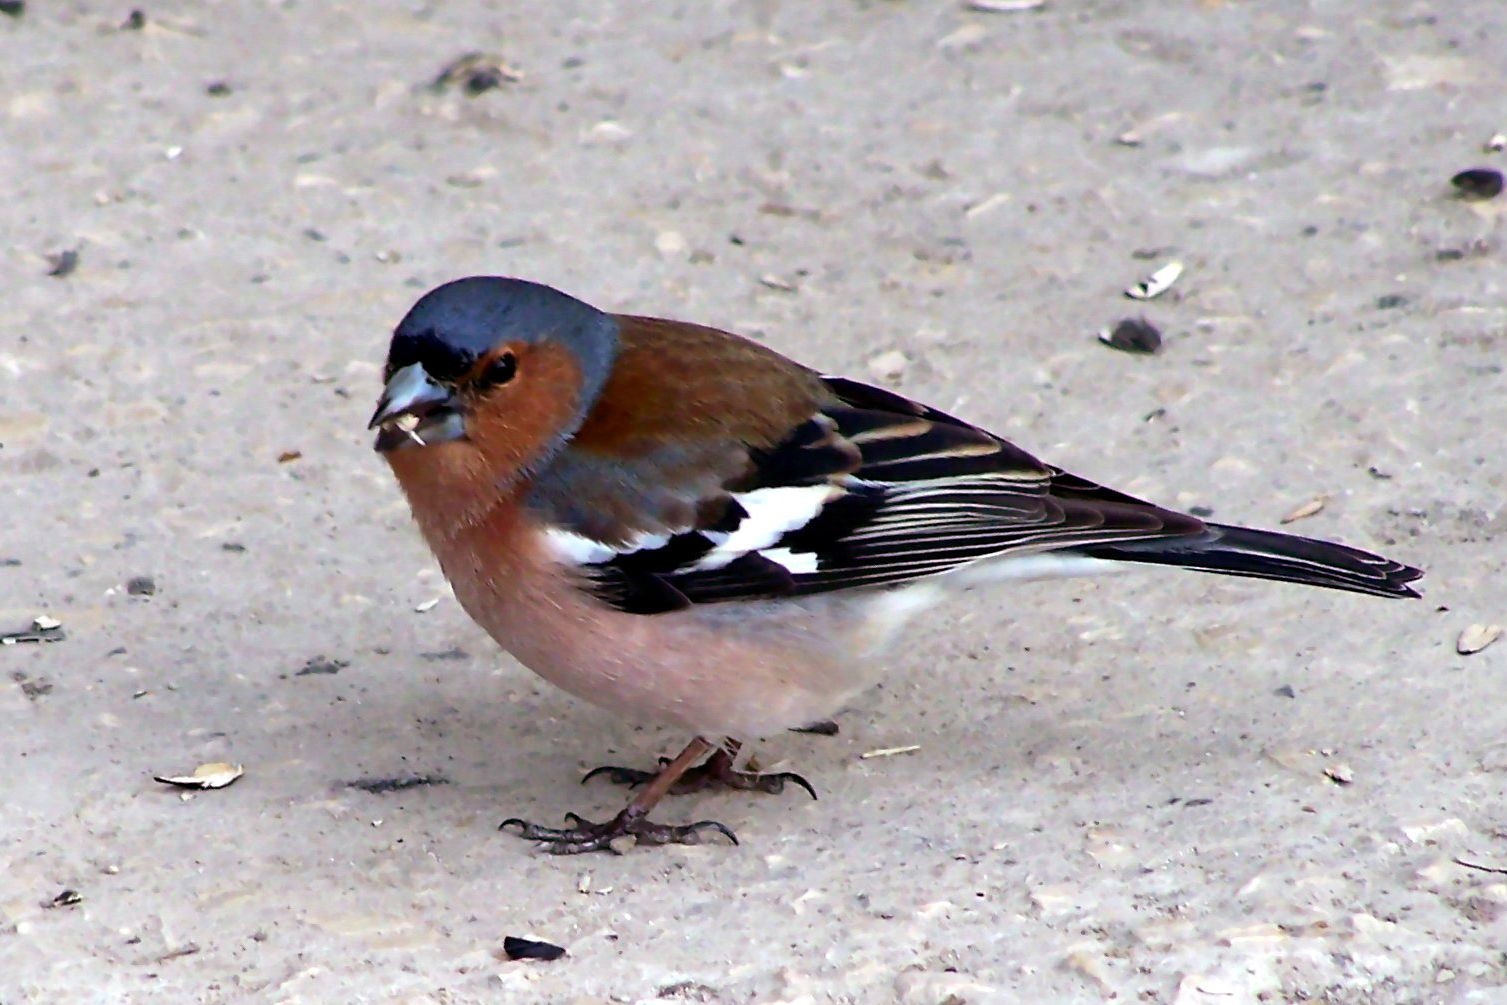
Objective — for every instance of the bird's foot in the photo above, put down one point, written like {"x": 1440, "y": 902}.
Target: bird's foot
{"x": 583, "y": 835}
{"x": 716, "y": 771}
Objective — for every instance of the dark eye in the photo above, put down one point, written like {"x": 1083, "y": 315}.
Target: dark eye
{"x": 500, "y": 370}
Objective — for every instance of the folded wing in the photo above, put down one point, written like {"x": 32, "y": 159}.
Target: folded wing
{"x": 871, "y": 490}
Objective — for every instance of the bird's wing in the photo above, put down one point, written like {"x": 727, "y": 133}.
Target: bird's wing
{"x": 869, "y": 489}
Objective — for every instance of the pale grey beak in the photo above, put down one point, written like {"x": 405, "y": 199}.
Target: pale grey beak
{"x": 415, "y": 410}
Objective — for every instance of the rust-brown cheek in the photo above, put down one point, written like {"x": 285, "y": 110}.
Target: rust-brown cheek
{"x": 508, "y": 429}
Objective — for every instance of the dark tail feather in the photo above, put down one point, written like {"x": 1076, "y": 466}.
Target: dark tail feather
{"x": 1264, "y": 554}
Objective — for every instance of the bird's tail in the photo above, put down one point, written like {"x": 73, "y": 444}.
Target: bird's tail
{"x": 1264, "y": 554}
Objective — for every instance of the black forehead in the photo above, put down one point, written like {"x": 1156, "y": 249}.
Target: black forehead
{"x": 455, "y": 324}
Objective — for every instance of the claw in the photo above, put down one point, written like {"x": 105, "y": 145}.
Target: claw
{"x": 680, "y": 774}
{"x": 619, "y": 775}
{"x": 685, "y": 833}
{"x": 790, "y": 776}
{"x": 715, "y": 772}
{"x": 534, "y": 832}
{"x": 585, "y": 835}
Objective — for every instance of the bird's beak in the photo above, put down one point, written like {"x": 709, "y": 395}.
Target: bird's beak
{"x": 416, "y": 411}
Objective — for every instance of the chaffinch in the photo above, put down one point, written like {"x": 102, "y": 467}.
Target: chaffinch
{"x": 687, "y": 528}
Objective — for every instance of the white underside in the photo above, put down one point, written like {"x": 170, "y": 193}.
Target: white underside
{"x": 1042, "y": 565}
{"x": 889, "y": 611}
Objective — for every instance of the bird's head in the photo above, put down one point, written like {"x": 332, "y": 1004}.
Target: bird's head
{"x": 487, "y": 377}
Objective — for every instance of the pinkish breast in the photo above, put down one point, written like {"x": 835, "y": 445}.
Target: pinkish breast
{"x": 741, "y": 669}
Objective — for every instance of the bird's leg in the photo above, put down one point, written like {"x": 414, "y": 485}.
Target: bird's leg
{"x": 584, "y": 835}
{"x": 717, "y": 770}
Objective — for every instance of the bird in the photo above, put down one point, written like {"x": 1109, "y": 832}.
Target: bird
{"x": 689, "y": 529}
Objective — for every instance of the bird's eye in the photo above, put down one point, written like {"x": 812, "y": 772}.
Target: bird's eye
{"x": 500, "y": 370}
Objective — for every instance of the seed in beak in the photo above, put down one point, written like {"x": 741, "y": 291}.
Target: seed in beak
{"x": 408, "y": 424}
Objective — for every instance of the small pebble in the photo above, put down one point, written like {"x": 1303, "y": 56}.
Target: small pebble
{"x": 475, "y": 73}
{"x": 1056, "y": 898}
{"x": 63, "y": 263}
{"x": 1132, "y": 335}
{"x": 398, "y": 783}
{"x": 607, "y": 131}
{"x": 322, "y": 666}
{"x": 1436, "y": 831}
{"x": 141, "y": 586}
{"x": 1340, "y": 774}
{"x": 1005, "y": 6}
{"x": 670, "y": 243}
{"x": 528, "y": 949}
{"x": 66, "y": 898}
{"x": 889, "y": 365}
{"x": 1478, "y": 183}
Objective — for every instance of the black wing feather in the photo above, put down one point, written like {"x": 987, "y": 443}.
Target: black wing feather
{"x": 908, "y": 492}
{"x": 915, "y": 492}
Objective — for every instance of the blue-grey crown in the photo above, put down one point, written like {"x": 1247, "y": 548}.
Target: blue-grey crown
{"x": 452, "y": 325}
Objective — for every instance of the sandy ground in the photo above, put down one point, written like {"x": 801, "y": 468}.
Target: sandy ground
{"x": 1124, "y": 790}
